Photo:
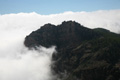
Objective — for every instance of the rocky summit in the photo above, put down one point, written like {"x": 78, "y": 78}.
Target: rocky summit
{"x": 82, "y": 53}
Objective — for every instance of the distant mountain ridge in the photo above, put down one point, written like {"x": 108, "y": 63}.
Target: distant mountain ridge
{"x": 82, "y": 53}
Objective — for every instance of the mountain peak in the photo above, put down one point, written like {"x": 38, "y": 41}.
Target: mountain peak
{"x": 70, "y": 24}
{"x": 69, "y": 32}
{"x": 66, "y": 22}
{"x": 48, "y": 25}
{"x": 82, "y": 53}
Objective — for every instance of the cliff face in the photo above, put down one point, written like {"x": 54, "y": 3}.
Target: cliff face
{"x": 82, "y": 53}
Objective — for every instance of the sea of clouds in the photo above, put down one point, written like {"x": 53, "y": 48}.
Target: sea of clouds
{"x": 19, "y": 63}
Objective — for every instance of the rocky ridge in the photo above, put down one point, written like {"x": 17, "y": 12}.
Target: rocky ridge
{"x": 82, "y": 53}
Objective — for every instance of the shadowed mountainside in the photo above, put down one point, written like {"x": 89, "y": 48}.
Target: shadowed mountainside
{"x": 82, "y": 53}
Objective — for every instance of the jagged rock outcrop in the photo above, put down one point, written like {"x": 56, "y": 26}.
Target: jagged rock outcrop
{"x": 82, "y": 53}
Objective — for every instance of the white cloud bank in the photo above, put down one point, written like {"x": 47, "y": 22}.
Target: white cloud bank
{"x": 26, "y": 65}
{"x": 18, "y": 63}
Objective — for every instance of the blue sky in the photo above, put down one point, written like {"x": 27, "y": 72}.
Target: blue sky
{"x": 56, "y": 6}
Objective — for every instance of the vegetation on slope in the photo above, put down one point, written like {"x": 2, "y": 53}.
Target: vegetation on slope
{"x": 82, "y": 53}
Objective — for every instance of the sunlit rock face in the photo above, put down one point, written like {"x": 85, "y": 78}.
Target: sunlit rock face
{"x": 82, "y": 53}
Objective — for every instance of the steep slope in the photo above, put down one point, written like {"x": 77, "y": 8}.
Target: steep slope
{"x": 82, "y": 53}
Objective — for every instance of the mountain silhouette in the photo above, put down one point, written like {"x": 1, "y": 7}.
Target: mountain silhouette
{"x": 82, "y": 53}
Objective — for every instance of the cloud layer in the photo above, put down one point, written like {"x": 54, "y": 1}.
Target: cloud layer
{"x": 26, "y": 65}
{"x": 18, "y": 63}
